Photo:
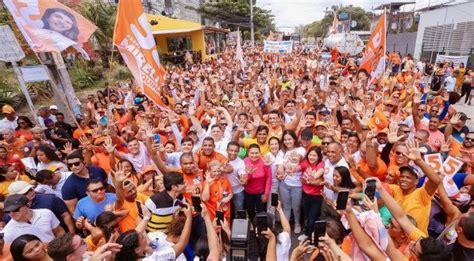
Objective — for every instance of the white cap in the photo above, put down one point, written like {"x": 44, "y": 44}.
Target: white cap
{"x": 53, "y": 107}
{"x": 19, "y": 187}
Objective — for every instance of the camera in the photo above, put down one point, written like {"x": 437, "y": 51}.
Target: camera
{"x": 238, "y": 240}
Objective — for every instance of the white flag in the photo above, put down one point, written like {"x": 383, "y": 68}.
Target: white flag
{"x": 239, "y": 53}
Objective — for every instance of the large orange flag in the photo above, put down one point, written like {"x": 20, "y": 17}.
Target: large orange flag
{"x": 134, "y": 40}
{"x": 373, "y": 62}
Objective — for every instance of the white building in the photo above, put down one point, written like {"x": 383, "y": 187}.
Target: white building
{"x": 446, "y": 28}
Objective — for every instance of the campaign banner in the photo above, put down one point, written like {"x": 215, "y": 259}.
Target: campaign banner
{"x": 136, "y": 44}
{"x": 456, "y": 60}
{"x": 278, "y": 46}
{"x": 49, "y": 26}
{"x": 373, "y": 61}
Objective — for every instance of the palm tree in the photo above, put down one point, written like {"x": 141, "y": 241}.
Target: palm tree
{"x": 103, "y": 16}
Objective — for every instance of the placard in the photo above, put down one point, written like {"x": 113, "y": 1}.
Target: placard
{"x": 278, "y": 46}
{"x": 34, "y": 73}
{"x": 449, "y": 167}
{"x": 10, "y": 49}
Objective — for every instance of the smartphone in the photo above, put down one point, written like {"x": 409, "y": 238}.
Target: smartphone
{"x": 220, "y": 217}
{"x": 241, "y": 214}
{"x": 196, "y": 203}
{"x": 153, "y": 181}
{"x": 156, "y": 138}
{"x": 341, "y": 201}
{"x": 275, "y": 199}
{"x": 181, "y": 204}
{"x": 262, "y": 224}
{"x": 370, "y": 185}
{"x": 319, "y": 230}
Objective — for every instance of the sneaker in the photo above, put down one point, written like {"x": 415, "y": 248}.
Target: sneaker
{"x": 297, "y": 228}
{"x": 302, "y": 237}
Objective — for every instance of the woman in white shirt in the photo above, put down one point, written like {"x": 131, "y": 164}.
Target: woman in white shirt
{"x": 47, "y": 158}
{"x": 290, "y": 176}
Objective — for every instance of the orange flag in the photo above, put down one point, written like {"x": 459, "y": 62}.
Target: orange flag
{"x": 135, "y": 42}
{"x": 373, "y": 62}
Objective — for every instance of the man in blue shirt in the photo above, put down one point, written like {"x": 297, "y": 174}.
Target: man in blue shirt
{"x": 95, "y": 202}
{"x": 74, "y": 187}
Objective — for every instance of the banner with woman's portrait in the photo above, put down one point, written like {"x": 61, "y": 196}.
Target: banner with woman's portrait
{"x": 49, "y": 26}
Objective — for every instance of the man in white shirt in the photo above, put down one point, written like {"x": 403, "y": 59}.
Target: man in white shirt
{"x": 39, "y": 222}
{"x": 51, "y": 181}
{"x": 334, "y": 159}
{"x": 236, "y": 175}
{"x": 450, "y": 82}
{"x": 10, "y": 119}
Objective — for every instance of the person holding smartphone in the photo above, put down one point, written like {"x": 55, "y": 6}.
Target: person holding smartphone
{"x": 312, "y": 168}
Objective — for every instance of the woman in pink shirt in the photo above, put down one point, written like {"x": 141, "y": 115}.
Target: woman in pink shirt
{"x": 312, "y": 168}
{"x": 258, "y": 182}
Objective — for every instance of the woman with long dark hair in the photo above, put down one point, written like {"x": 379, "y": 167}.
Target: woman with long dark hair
{"x": 312, "y": 168}
{"x": 24, "y": 128}
{"x": 47, "y": 157}
{"x": 290, "y": 176}
{"x": 61, "y": 21}
{"x": 28, "y": 247}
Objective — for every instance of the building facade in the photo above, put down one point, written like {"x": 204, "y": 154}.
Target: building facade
{"x": 181, "y": 9}
{"x": 446, "y": 29}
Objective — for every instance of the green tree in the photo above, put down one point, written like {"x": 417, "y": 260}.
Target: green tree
{"x": 103, "y": 16}
{"x": 320, "y": 28}
{"x": 233, "y": 14}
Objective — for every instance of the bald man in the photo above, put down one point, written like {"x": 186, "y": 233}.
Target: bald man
{"x": 333, "y": 159}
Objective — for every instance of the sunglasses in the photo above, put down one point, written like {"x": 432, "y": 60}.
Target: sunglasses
{"x": 97, "y": 190}
{"x": 77, "y": 164}
{"x": 434, "y": 111}
{"x": 398, "y": 153}
{"x": 470, "y": 139}
{"x": 325, "y": 143}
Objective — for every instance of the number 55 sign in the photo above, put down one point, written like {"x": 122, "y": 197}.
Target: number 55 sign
{"x": 450, "y": 166}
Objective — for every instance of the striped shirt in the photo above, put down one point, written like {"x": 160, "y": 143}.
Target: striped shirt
{"x": 162, "y": 207}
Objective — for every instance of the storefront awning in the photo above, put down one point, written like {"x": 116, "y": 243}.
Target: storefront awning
{"x": 165, "y": 25}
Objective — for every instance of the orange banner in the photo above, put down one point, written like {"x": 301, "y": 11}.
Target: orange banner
{"x": 373, "y": 62}
{"x": 134, "y": 40}
{"x": 49, "y": 26}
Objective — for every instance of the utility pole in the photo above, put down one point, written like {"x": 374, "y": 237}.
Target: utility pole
{"x": 252, "y": 36}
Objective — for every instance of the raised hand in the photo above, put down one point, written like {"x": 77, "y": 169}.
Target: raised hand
{"x": 392, "y": 134}
{"x": 119, "y": 173}
{"x": 417, "y": 98}
{"x": 108, "y": 145}
{"x": 455, "y": 118}
{"x": 445, "y": 146}
{"x": 413, "y": 151}
{"x": 67, "y": 148}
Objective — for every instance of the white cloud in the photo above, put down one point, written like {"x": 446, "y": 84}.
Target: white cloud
{"x": 291, "y": 13}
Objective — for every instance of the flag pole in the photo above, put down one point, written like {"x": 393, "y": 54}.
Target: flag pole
{"x": 385, "y": 41}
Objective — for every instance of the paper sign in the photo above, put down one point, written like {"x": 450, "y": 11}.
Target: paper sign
{"x": 452, "y": 165}
{"x": 10, "y": 49}
{"x": 434, "y": 160}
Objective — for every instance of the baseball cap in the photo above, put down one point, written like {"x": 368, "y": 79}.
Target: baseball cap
{"x": 100, "y": 140}
{"x": 14, "y": 202}
{"x": 7, "y": 109}
{"x": 53, "y": 107}
{"x": 48, "y": 121}
{"x": 409, "y": 169}
{"x": 320, "y": 123}
{"x": 464, "y": 116}
{"x": 53, "y": 168}
{"x": 148, "y": 169}
{"x": 307, "y": 134}
{"x": 19, "y": 187}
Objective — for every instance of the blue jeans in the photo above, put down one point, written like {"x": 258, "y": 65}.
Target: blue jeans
{"x": 290, "y": 198}
{"x": 238, "y": 201}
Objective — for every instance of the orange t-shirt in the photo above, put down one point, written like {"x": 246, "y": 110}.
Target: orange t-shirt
{"x": 130, "y": 221}
{"x": 379, "y": 172}
{"x": 24, "y": 134}
{"x": 78, "y": 132}
{"x": 203, "y": 160}
{"x": 193, "y": 184}
{"x": 102, "y": 160}
{"x": 218, "y": 189}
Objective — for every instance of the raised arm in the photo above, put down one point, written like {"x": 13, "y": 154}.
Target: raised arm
{"x": 433, "y": 179}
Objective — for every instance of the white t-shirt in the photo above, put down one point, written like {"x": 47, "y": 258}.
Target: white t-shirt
{"x": 60, "y": 165}
{"x": 450, "y": 82}
{"x": 42, "y": 223}
{"x": 283, "y": 246}
{"x": 239, "y": 169}
{"x": 8, "y": 125}
{"x": 164, "y": 249}
{"x": 172, "y": 159}
{"x": 56, "y": 190}
{"x": 141, "y": 160}
{"x": 278, "y": 159}
{"x": 294, "y": 179}
{"x": 328, "y": 175}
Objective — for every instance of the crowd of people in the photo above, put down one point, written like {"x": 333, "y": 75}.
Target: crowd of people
{"x": 283, "y": 137}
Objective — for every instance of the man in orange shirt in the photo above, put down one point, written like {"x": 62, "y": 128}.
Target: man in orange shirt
{"x": 370, "y": 161}
{"x": 207, "y": 154}
{"x": 128, "y": 198}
